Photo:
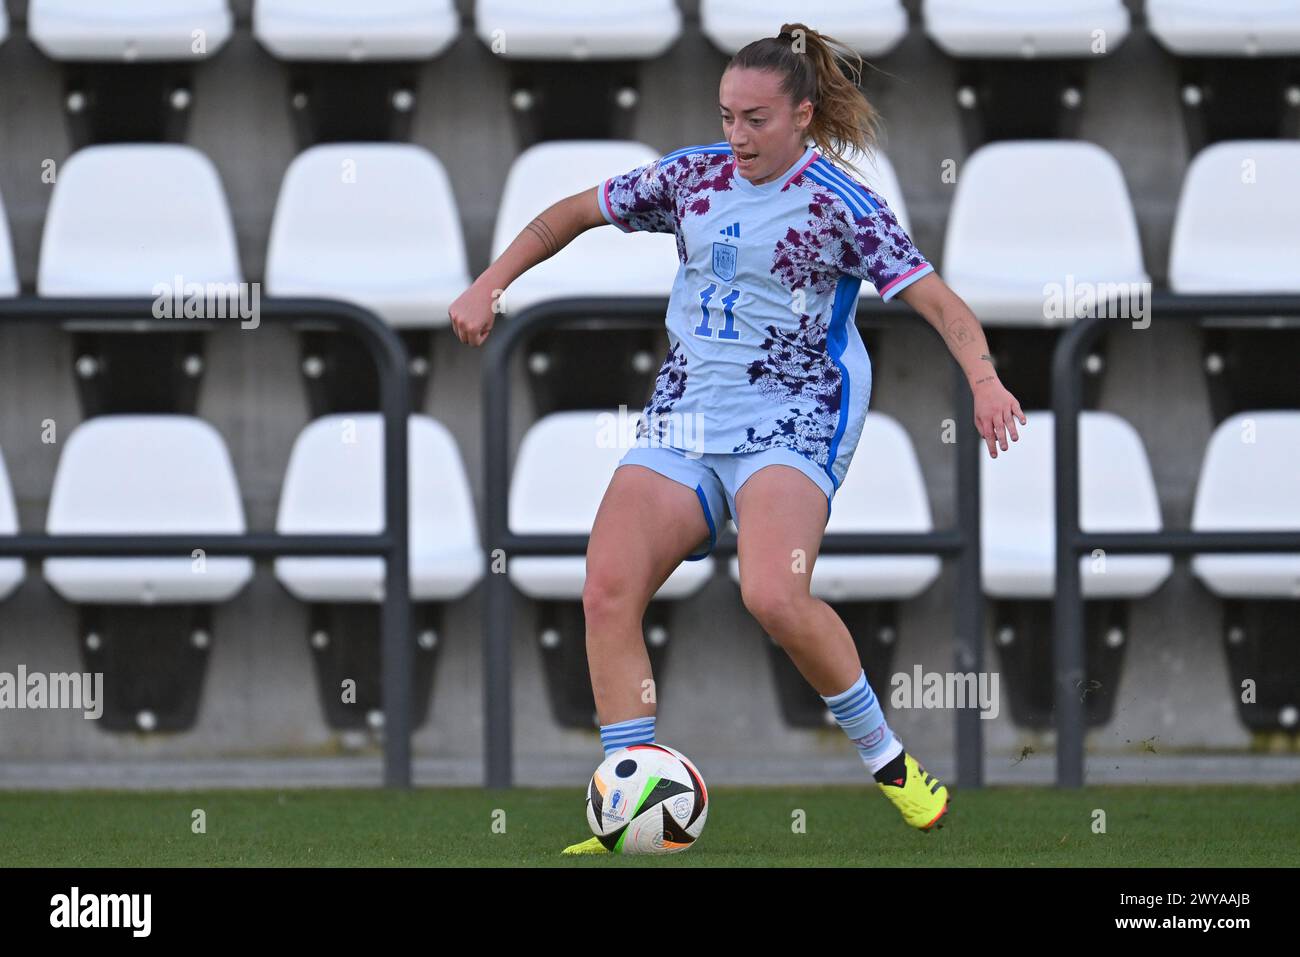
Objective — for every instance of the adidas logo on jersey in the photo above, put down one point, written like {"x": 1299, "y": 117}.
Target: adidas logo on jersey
{"x": 732, "y": 230}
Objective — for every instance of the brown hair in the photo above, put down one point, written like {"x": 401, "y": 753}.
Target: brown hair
{"x": 826, "y": 72}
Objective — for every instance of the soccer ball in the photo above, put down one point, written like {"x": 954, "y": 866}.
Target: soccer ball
{"x": 647, "y": 799}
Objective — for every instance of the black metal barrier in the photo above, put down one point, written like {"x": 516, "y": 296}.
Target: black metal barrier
{"x": 391, "y": 544}
{"x": 960, "y": 542}
{"x": 1071, "y": 541}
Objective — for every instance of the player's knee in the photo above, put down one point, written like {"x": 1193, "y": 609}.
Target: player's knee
{"x": 608, "y": 596}
{"x": 777, "y": 609}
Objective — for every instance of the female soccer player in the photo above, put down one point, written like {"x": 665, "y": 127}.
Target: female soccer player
{"x": 762, "y": 398}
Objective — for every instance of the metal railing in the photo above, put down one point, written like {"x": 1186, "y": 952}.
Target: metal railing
{"x": 391, "y": 544}
{"x": 1071, "y": 541}
{"x": 960, "y": 542}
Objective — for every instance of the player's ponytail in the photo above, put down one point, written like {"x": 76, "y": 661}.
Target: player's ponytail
{"x": 827, "y": 73}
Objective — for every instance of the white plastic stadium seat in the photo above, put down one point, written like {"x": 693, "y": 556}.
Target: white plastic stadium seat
{"x": 128, "y": 29}
{"x": 127, "y": 217}
{"x": 1240, "y": 196}
{"x": 1000, "y": 29}
{"x": 578, "y": 29}
{"x": 374, "y": 30}
{"x": 1117, "y": 493}
{"x": 11, "y": 569}
{"x": 597, "y": 263}
{"x": 1250, "y": 481}
{"x": 564, "y": 465}
{"x": 883, "y": 491}
{"x": 142, "y": 474}
{"x": 335, "y": 485}
{"x": 9, "y": 285}
{"x": 871, "y": 27}
{"x": 374, "y": 223}
{"x": 1213, "y": 28}
{"x": 1030, "y": 213}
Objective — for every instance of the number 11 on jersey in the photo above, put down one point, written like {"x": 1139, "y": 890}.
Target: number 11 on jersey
{"x": 728, "y": 330}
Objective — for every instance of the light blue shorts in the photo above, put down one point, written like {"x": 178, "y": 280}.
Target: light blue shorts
{"x": 716, "y": 477}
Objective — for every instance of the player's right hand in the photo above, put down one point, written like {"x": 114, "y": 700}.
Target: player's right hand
{"x": 472, "y": 315}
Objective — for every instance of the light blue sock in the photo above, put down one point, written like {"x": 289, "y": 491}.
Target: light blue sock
{"x": 624, "y": 734}
{"x": 858, "y": 712}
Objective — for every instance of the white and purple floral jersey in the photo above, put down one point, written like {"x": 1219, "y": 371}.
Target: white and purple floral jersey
{"x": 763, "y": 351}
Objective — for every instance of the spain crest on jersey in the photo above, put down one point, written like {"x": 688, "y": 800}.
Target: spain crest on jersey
{"x": 724, "y": 261}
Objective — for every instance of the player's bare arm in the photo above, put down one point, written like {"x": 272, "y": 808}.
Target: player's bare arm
{"x": 473, "y": 312}
{"x": 996, "y": 409}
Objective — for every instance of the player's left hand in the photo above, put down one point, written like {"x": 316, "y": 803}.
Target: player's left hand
{"x": 996, "y": 411}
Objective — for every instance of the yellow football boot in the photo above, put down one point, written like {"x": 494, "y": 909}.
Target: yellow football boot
{"x": 919, "y": 797}
{"x": 590, "y": 846}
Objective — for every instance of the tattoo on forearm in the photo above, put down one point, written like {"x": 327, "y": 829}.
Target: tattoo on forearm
{"x": 543, "y": 232}
{"x": 958, "y": 332}
{"x": 987, "y": 378}
{"x": 989, "y": 358}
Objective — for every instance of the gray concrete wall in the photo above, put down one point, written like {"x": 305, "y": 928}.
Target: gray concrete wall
{"x": 716, "y": 693}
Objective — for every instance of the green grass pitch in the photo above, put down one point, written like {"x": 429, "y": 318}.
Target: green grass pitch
{"x": 1211, "y": 826}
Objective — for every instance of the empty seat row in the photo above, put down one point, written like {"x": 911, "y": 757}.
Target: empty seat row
{"x": 84, "y": 30}
{"x": 305, "y": 30}
{"x": 1004, "y": 239}
{"x": 1072, "y": 28}
{"x": 172, "y": 474}
{"x": 371, "y": 223}
{"x": 634, "y": 29}
{"x": 377, "y": 224}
